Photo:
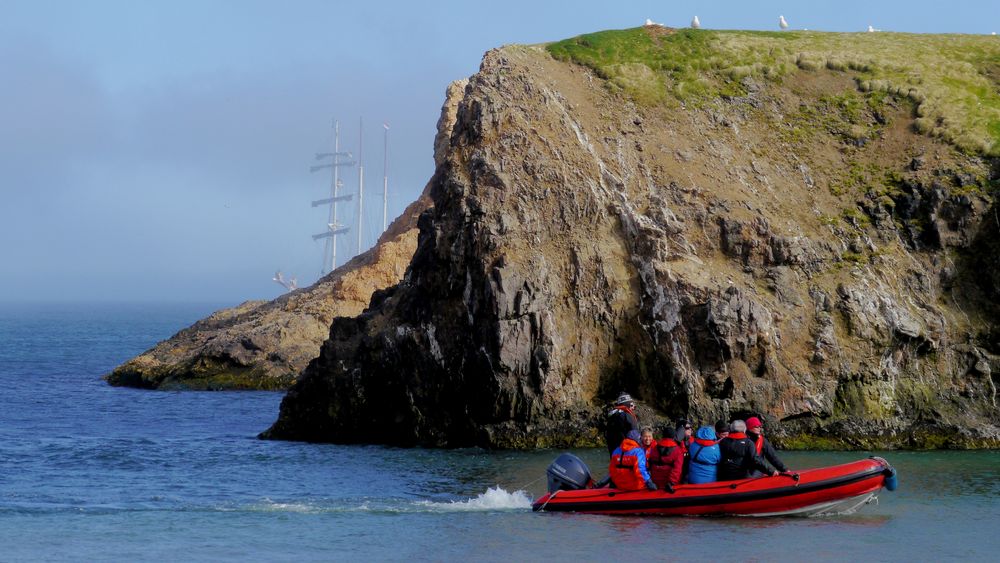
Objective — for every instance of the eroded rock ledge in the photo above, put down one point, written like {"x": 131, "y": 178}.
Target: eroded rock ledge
{"x": 266, "y": 344}
{"x": 735, "y": 256}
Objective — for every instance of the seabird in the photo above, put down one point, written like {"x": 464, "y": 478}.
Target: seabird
{"x": 782, "y": 23}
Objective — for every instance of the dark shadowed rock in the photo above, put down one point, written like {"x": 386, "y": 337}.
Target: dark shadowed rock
{"x": 266, "y": 344}
{"x": 579, "y": 245}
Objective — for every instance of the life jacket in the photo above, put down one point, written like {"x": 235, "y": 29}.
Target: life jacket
{"x": 624, "y": 408}
{"x": 759, "y": 443}
{"x": 704, "y": 444}
{"x": 664, "y": 446}
{"x": 649, "y": 451}
{"x": 624, "y": 467}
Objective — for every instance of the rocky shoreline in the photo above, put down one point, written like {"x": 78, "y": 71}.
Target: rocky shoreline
{"x": 579, "y": 244}
{"x": 266, "y": 344}
{"x": 795, "y": 250}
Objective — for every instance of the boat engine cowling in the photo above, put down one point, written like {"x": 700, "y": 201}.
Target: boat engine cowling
{"x": 568, "y": 473}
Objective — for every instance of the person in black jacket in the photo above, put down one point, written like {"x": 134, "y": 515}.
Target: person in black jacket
{"x": 621, "y": 420}
{"x": 763, "y": 448}
{"x": 739, "y": 457}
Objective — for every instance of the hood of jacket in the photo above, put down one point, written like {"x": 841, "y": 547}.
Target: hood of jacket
{"x": 705, "y": 433}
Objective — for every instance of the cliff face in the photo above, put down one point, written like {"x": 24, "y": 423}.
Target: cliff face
{"x": 266, "y": 344}
{"x": 795, "y": 250}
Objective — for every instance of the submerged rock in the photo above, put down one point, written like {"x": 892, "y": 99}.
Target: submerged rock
{"x": 702, "y": 258}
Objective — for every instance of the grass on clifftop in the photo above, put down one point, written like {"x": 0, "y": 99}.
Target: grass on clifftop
{"x": 954, "y": 80}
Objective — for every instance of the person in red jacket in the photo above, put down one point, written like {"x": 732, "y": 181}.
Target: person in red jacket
{"x": 666, "y": 462}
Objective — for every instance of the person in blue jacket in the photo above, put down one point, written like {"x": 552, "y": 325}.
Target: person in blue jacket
{"x": 627, "y": 468}
{"x": 704, "y": 456}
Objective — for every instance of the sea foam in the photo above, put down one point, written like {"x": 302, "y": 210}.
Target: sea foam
{"x": 495, "y": 498}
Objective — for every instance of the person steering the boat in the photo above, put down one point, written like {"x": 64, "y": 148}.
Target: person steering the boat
{"x": 627, "y": 468}
{"x": 764, "y": 449}
{"x": 621, "y": 420}
{"x": 738, "y": 457}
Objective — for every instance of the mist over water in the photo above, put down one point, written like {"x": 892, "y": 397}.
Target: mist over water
{"x": 91, "y": 472}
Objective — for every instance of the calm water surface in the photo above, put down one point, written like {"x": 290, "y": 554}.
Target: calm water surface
{"x": 90, "y": 472}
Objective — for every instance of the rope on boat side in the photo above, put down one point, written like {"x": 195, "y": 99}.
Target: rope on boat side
{"x": 552, "y": 496}
{"x": 526, "y": 485}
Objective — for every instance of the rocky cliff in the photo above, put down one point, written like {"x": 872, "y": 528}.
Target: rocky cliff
{"x": 788, "y": 242}
{"x": 266, "y": 344}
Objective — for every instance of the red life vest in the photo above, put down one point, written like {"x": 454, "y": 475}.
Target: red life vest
{"x": 663, "y": 449}
{"x": 624, "y": 467}
{"x": 759, "y": 443}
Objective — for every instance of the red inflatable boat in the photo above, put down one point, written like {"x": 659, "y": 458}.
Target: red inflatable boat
{"x": 839, "y": 489}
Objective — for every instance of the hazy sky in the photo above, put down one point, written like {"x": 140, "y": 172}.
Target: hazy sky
{"x": 159, "y": 150}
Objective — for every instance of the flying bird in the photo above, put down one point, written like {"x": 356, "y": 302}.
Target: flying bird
{"x": 695, "y": 24}
{"x": 782, "y": 23}
{"x": 279, "y": 279}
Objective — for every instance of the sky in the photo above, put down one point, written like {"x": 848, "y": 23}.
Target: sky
{"x": 160, "y": 150}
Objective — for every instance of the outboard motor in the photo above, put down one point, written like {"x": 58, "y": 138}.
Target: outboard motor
{"x": 568, "y": 473}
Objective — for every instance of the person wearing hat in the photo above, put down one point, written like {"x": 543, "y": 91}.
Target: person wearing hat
{"x": 764, "y": 449}
{"x": 738, "y": 458}
{"x": 621, "y": 420}
{"x": 627, "y": 468}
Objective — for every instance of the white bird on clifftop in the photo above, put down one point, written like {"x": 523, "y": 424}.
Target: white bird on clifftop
{"x": 695, "y": 24}
{"x": 782, "y": 23}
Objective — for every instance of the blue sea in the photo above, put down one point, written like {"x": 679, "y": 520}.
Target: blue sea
{"x": 90, "y": 472}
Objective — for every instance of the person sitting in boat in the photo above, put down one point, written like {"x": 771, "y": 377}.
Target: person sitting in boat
{"x": 738, "y": 455}
{"x": 704, "y": 457}
{"x": 627, "y": 468}
{"x": 721, "y": 430}
{"x": 682, "y": 434}
{"x": 763, "y": 448}
{"x": 621, "y": 420}
{"x": 647, "y": 441}
{"x": 666, "y": 463}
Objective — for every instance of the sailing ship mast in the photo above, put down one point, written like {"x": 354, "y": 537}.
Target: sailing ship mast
{"x": 334, "y": 227}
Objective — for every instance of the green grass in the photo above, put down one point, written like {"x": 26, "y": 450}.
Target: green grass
{"x": 953, "y": 80}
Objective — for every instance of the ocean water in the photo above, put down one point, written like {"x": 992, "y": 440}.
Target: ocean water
{"x": 89, "y": 472}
